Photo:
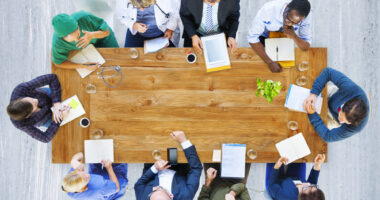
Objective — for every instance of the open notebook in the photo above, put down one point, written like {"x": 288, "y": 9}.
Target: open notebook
{"x": 88, "y": 54}
{"x": 76, "y": 109}
{"x": 154, "y": 45}
{"x": 293, "y": 148}
{"x": 216, "y": 53}
{"x": 280, "y": 49}
{"x": 233, "y": 160}
{"x": 97, "y": 150}
{"x": 296, "y": 97}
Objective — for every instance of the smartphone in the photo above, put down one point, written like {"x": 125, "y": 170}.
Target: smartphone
{"x": 172, "y": 156}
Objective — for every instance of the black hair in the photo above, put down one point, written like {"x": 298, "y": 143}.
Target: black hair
{"x": 314, "y": 195}
{"x": 301, "y": 6}
{"x": 355, "y": 110}
{"x": 19, "y": 109}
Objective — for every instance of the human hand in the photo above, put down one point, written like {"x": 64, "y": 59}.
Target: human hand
{"x": 78, "y": 166}
{"x": 57, "y": 112}
{"x": 229, "y": 196}
{"x": 210, "y": 175}
{"x": 232, "y": 44}
{"x": 91, "y": 66}
{"x": 140, "y": 27}
{"x": 280, "y": 161}
{"x": 161, "y": 165}
{"x": 309, "y": 108}
{"x": 318, "y": 161}
{"x": 289, "y": 31}
{"x": 178, "y": 136}
{"x": 168, "y": 34}
{"x": 76, "y": 162}
{"x": 311, "y": 99}
{"x": 65, "y": 110}
{"x": 275, "y": 67}
{"x": 107, "y": 163}
{"x": 197, "y": 44}
{"x": 85, "y": 39}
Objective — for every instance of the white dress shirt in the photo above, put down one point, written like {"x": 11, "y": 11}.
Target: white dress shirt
{"x": 271, "y": 18}
{"x": 166, "y": 176}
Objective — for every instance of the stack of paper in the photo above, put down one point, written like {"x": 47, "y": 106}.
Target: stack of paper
{"x": 76, "y": 109}
{"x": 154, "y": 45}
{"x": 296, "y": 97}
{"x": 293, "y": 148}
{"x": 216, "y": 53}
{"x": 97, "y": 150}
{"x": 87, "y": 55}
{"x": 233, "y": 160}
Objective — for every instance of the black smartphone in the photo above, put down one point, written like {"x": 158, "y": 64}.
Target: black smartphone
{"x": 172, "y": 156}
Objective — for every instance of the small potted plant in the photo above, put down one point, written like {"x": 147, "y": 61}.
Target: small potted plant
{"x": 268, "y": 89}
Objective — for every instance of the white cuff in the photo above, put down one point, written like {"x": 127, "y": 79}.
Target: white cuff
{"x": 186, "y": 144}
{"x": 154, "y": 169}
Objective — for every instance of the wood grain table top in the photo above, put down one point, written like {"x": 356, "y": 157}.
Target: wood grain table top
{"x": 161, "y": 92}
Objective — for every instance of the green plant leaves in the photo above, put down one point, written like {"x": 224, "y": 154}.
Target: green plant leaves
{"x": 268, "y": 89}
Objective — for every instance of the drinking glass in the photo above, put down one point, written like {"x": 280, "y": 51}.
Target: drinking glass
{"x": 301, "y": 81}
{"x": 156, "y": 154}
{"x": 292, "y": 125}
{"x": 133, "y": 53}
{"x": 303, "y": 66}
{"x": 90, "y": 88}
{"x": 97, "y": 134}
{"x": 252, "y": 154}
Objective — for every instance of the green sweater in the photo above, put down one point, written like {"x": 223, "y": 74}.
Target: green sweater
{"x": 218, "y": 191}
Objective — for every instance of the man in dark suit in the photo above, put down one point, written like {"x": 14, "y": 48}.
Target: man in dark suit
{"x": 206, "y": 17}
{"x": 163, "y": 182}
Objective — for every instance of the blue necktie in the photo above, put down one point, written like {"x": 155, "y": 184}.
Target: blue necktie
{"x": 209, "y": 25}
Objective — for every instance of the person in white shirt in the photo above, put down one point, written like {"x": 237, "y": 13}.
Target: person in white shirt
{"x": 164, "y": 182}
{"x": 149, "y": 19}
{"x": 293, "y": 18}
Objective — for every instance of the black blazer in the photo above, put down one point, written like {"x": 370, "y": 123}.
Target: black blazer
{"x": 228, "y": 16}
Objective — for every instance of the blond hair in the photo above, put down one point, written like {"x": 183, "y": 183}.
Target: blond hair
{"x": 142, "y": 3}
{"x": 73, "y": 182}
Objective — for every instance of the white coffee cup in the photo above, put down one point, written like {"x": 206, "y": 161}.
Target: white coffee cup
{"x": 191, "y": 58}
{"x": 84, "y": 122}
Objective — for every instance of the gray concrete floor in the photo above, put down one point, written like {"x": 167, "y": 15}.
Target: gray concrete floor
{"x": 349, "y": 28}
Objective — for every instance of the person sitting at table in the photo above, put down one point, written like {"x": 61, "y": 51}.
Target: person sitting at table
{"x": 217, "y": 188}
{"x": 162, "y": 181}
{"x": 149, "y": 19}
{"x": 105, "y": 181}
{"x": 31, "y": 104}
{"x": 348, "y": 105}
{"x": 76, "y": 31}
{"x": 291, "y": 183}
{"x": 207, "y": 17}
{"x": 293, "y": 18}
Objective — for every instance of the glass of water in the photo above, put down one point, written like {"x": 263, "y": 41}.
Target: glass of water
{"x": 90, "y": 88}
{"x": 252, "y": 154}
{"x": 97, "y": 134}
{"x": 292, "y": 125}
{"x": 301, "y": 80}
{"x": 133, "y": 53}
{"x": 303, "y": 66}
{"x": 156, "y": 154}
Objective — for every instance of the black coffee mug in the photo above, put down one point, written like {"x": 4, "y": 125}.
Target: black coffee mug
{"x": 191, "y": 58}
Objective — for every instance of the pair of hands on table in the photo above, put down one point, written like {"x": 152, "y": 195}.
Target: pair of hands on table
{"x": 142, "y": 28}
{"x": 59, "y": 112}
{"x": 318, "y": 161}
{"x": 308, "y": 104}
{"x": 210, "y": 176}
{"x": 198, "y": 46}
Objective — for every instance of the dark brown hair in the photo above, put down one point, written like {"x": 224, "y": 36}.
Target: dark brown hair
{"x": 314, "y": 195}
{"x": 355, "y": 110}
{"x": 19, "y": 109}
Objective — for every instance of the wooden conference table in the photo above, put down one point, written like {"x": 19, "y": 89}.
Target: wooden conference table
{"x": 161, "y": 92}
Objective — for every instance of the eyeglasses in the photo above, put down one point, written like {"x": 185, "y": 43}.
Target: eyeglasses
{"x": 286, "y": 16}
{"x": 162, "y": 189}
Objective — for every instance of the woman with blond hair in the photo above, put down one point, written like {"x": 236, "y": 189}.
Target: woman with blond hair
{"x": 99, "y": 183}
{"x": 149, "y": 19}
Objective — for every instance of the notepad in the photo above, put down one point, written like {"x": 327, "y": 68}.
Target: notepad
{"x": 76, "y": 109}
{"x": 280, "y": 49}
{"x": 97, "y": 150}
{"x": 154, "y": 45}
{"x": 296, "y": 97}
{"x": 216, "y": 53}
{"x": 86, "y": 55}
{"x": 233, "y": 160}
{"x": 293, "y": 148}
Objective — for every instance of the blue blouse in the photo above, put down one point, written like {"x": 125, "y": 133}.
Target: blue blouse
{"x": 148, "y": 18}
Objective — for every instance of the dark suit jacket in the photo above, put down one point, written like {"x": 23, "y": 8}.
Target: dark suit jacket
{"x": 183, "y": 187}
{"x": 228, "y": 16}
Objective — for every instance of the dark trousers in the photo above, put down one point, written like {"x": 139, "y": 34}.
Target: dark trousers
{"x": 138, "y": 40}
{"x": 231, "y": 180}
{"x": 296, "y": 171}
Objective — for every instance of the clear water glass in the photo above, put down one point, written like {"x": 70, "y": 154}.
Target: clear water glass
{"x": 301, "y": 80}
{"x": 303, "y": 66}
{"x": 292, "y": 125}
{"x": 97, "y": 134}
{"x": 252, "y": 154}
{"x": 133, "y": 53}
{"x": 90, "y": 88}
{"x": 156, "y": 154}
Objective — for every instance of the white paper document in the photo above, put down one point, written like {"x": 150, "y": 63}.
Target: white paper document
{"x": 233, "y": 160}
{"x": 216, "y": 155}
{"x": 296, "y": 97}
{"x": 97, "y": 150}
{"x": 280, "y": 49}
{"x": 76, "y": 109}
{"x": 216, "y": 53}
{"x": 293, "y": 148}
{"x": 88, "y": 54}
{"x": 154, "y": 45}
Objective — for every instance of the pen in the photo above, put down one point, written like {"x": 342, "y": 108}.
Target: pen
{"x": 277, "y": 53}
